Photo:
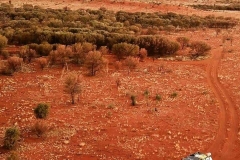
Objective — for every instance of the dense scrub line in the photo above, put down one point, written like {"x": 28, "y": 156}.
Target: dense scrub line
{"x": 32, "y": 24}
{"x": 231, "y": 7}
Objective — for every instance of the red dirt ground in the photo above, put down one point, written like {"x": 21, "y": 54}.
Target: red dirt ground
{"x": 177, "y": 6}
{"x": 203, "y": 116}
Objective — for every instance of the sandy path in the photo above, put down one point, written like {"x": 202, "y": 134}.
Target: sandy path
{"x": 224, "y": 144}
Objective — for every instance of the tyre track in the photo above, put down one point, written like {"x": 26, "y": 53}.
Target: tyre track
{"x": 226, "y": 138}
{"x": 224, "y": 145}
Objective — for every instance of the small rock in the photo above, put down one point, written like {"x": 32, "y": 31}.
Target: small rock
{"x": 82, "y": 144}
{"x": 66, "y": 142}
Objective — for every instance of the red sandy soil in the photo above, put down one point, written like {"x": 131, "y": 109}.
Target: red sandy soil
{"x": 178, "y": 6}
{"x": 203, "y": 116}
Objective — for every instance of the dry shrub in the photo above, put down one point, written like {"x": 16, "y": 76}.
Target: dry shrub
{"x": 78, "y": 53}
{"x": 14, "y": 63}
{"x": 4, "y": 69}
{"x": 40, "y": 128}
{"x": 2, "y": 64}
{"x": 5, "y": 54}
{"x": 63, "y": 53}
{"x": 53, "y": 56}
{"x": 131, "y": 63}
{"x": 3, "y": 42}
{"x": 199, "y": 48}
{"x": 13, "y": 156}
{"x": 95, "y": 62}
{"x": 72, "y": 85}
{"x": 143, "y": 54}
{"x": 105, "y": 65}
{"x": 42, "y": 62}
{"x": 104, "y": 50}
{"x": 184, "y": 41}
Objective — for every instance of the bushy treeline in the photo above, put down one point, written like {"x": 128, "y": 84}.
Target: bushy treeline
{"x": 231, "y": 7}
{"x": 155, "y": 45}
{"x": 32, "y": 24}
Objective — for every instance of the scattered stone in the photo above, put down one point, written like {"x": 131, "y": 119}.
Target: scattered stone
{"x": 66, "y": 142}
{"x": 82, "y": 144}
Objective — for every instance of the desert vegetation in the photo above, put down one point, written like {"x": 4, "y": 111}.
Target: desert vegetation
{"x": 41, "y": 111}
{"x": 77, "y": 36}
{"x": 120, "y": 84}
{"x": 11, "y": 138}
{"x": 231, "y": 7}
{"x": 100, "y": 27}
{"x": 72, "y": 85}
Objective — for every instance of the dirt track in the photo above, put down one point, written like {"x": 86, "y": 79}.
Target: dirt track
{"x": 228, "y": 122}
{"x": 224, "y": 145}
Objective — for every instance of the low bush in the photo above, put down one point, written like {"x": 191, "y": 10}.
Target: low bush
{"x": 143, "y": 54}
{"x": 72, "y": 85}
{"x": 173, "y": 95}
{"x": 199, "y": 48}
{"x": 4, "y": 69}
{"x": 11, "y": 138}
{"x": 158, "y": 97}
{"x": 7, "y": 71}
{"x": 14, "y": 63}
{"x": 5, "y": 54}
{"x": 183, "y": 41}
{"x": 41, "y": 111}
{"x": 131, "y": 63}
{"x": 13, "y": 156}
{"x": 42, "y": 62}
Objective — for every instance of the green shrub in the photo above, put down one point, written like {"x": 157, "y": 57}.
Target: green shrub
{"x": 158, "y": 46}
{"x": 11, "y": 138}
{"x": 122, "y": 50}
{"x": 199, "y": 48}
{"x": 173, "y": 95}
{"x": 3, "y": 42}
{"x": 158, "y": 97}
{"x": 41, "y": 111}
{"x": 146, "y": 93}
